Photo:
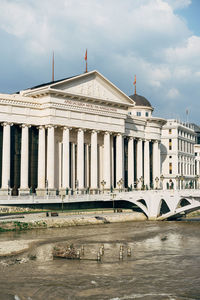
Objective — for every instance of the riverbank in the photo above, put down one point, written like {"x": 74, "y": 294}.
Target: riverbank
{"x": 40, "y": 220}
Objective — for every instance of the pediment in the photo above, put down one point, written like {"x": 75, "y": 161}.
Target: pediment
{"x": 93, "y": 85}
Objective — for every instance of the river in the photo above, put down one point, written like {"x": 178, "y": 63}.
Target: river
{"x": 164, "y": 263}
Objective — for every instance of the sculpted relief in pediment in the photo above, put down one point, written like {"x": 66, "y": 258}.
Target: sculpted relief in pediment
{"x": 93, "y": 89}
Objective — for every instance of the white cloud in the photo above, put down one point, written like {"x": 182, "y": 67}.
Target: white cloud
{"x": 175, "y": 4}
{"x": 173, "y": 93}
{"x": 143, "y": 37}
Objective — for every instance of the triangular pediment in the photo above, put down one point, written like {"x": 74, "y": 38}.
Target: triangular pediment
{"x": 93, "y": 85}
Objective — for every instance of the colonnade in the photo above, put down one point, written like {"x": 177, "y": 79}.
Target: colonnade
{"x": 95, "y": 165}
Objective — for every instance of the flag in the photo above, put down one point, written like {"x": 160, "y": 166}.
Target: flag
{"x": 134, "y": 83}
{"x": 86, "y": 55}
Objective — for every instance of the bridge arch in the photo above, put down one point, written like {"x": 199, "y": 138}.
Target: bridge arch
{"x": 163, "y": 208}
{"x": 183, "y": 202}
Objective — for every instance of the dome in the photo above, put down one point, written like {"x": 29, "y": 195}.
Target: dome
{"x": 140, "y": 101}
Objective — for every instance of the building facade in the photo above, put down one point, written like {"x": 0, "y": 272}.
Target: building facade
{"x": 178, "y": 155}
{"x": 77, "y": 134}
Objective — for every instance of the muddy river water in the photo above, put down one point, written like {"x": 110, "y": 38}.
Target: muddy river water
{"x": 164, "y": 263}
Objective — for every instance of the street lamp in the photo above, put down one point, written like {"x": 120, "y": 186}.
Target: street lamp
{"x": 162, "y": 179}
{"x": 8, "y": 187}
{"x": 142, "y": 180}
{"x": 113, "y": 199}
{"x": 156, "y": 180}
{"x": 103, "y": 183}
{"x": 182, "y": 178}
{"x": 120, "y": 183}
{"x": 46, "y": 185}
{"x": 177, "y": 180}
{"x": 197, "y": 179}
{"x": 76, "y": 185}
{"x": 137, "y": 181}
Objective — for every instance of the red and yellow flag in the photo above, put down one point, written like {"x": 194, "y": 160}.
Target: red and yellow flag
{"x": 134, "y": 81}
{"x": 86, "y": 55}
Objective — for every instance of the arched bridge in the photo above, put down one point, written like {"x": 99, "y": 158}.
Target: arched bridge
{"x": 162, "y": 205}
{"x": 155, "y": 204}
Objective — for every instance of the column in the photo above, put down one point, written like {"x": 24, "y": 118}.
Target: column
{"x": 80, "y": 159}
{"x": 65, "y": 159}
{"x": 139, "y": 163}
{"x": 146, "y": 164}
{"x": 112, "y": 160}
{"x": 87, "y": 166}
{"x": 106, "y": 160}
{"x": 131, "y": 162}
{"x": 24, "y": 160}
{"x": 6, "y": 157}
{"x": 93, "y": 164}
{"x": 41, "y": 158}
{"x": 50, "y": 157}
{"x": 120, "y": 159}
{"x": 155, "y": 164}
{"x": 73, "y": 166}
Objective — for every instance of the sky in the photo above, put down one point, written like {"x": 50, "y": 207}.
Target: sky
{"x": 158, "y": 40}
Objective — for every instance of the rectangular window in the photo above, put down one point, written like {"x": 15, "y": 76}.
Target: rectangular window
{"x": 138, "y": 113}
{"x": 146, "y": 114}
{"x": 170, "y": 168}
{"x": 170, "y": 131}
{"x": 170, "y": 144}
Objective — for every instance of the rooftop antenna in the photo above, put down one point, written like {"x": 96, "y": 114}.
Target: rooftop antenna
{"x": 53, "y": 67}
{"x": 134, "y": 83}
{"x": 187, "y": 112}
{"x": 86, "y": 61}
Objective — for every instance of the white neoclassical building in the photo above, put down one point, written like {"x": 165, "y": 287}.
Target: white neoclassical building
{"x": 178, "y": 155}
{"x": 77, "y": 134}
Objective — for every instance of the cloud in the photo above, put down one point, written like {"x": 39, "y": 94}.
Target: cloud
{"x": 178, "y": 4}
{"x": 173, "y": 93}
{"x": 124, "y": 38}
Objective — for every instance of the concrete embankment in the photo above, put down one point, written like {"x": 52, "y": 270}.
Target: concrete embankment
{"x": 36, "y": 220}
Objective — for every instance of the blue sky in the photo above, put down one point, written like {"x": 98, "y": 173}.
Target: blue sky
{"x": 158, "y": 40}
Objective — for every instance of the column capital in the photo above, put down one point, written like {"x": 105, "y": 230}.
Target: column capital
{"x": 147, "y": 140}
{"x": 6, "y": 123}
{"x": 107, "y": 132}
{"x": 50, "y": 126}
{"x": 66, "y": 127}
{"x": 94, "y": 131}
{"x": 80, "y": 129}
{"x": 25, "y": 125}
{"x": 130, "y": 137}
{"x": 41, "y": 127}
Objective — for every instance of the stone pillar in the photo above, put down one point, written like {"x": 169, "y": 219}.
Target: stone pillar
{"x": 5, "y": 160}
{"x": 24, "y": 189}
{"x": 146, "y": 164}
{"x": 73, "y": 167}
{"x": 131, "y": 162}
{"x": 65, "y": 160}
{"x": 106, "y": 161}
{"x": 139, "y": 163}
{"x": 120, "y": 159}
{"x": 156, "y": 177}
{"x": 51, "y": 160}
{"x": 80, "y": 159}
{"x": 41, "y": 161}
{"x": 93, "y": 165}
{"x": 112, "y": 160}
{"x": 87, "y": 167}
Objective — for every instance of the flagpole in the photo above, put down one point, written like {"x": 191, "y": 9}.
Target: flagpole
{"x": 53, "y": 67}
